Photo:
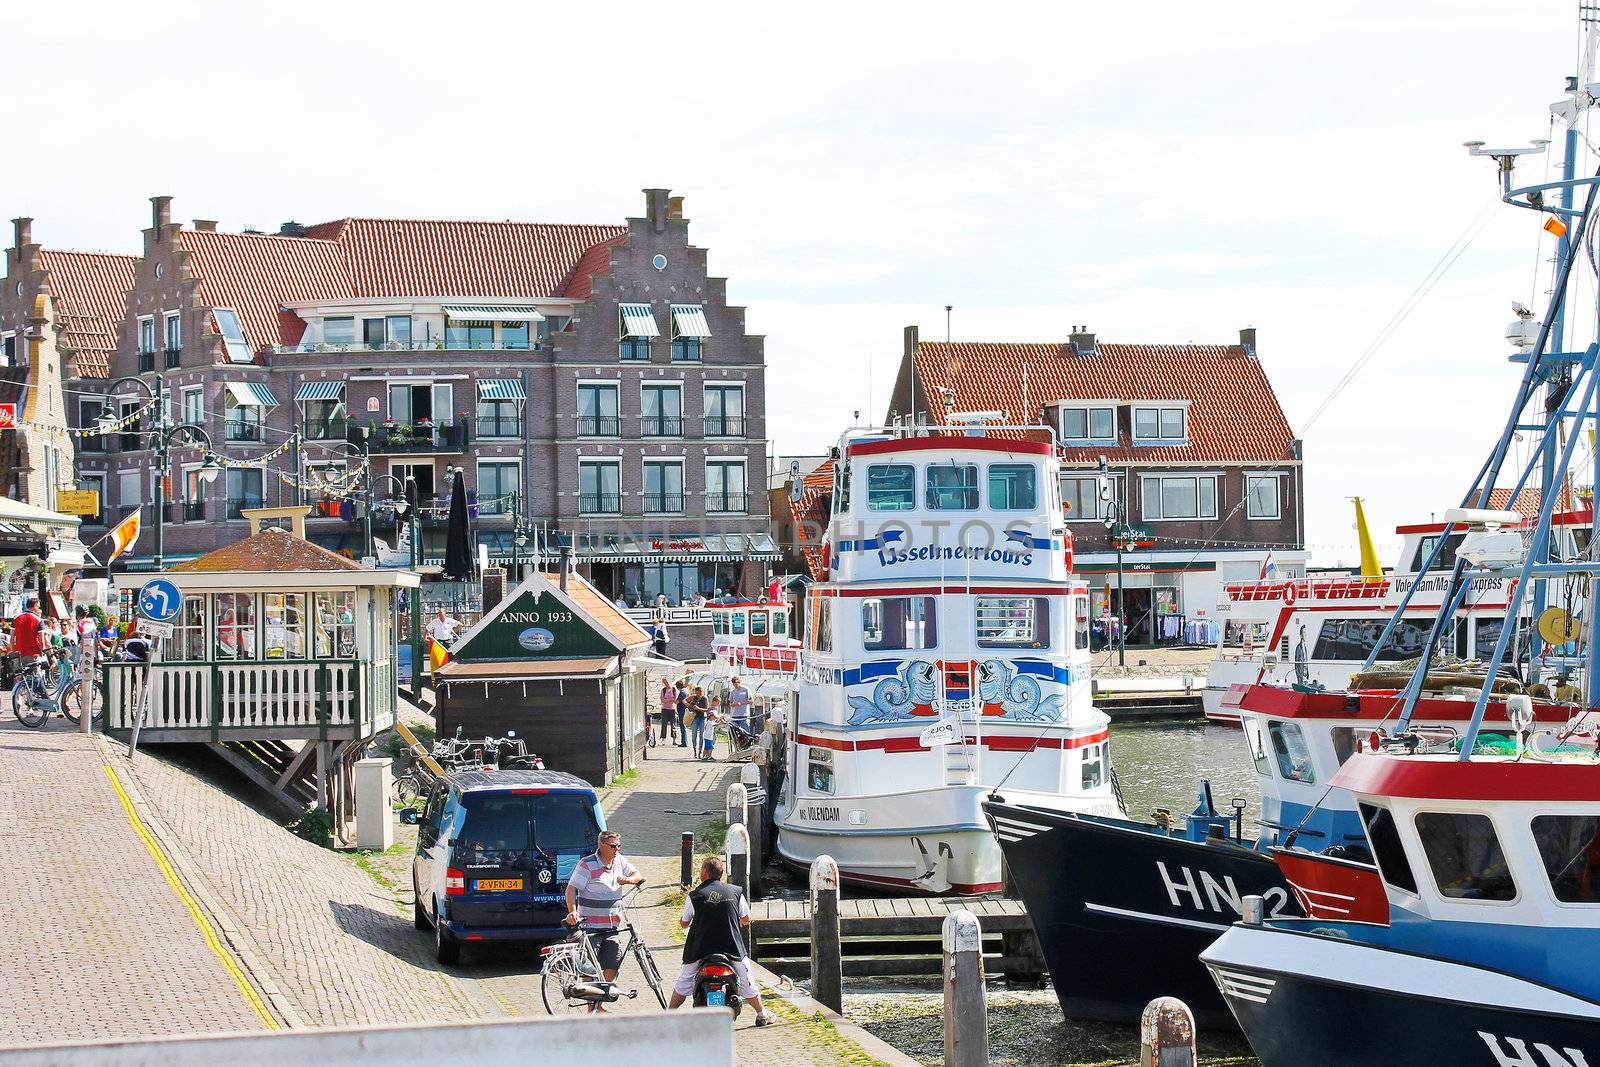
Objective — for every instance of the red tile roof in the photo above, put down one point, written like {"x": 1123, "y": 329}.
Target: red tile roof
{"x": 271, "y": 550}
{"x": 89, "y": 290}
{"x": 1528, "y": 502}
{"x": 810, "y": 514}
{"x": 583, "y": 593}
{"x": 255, "y": 274}
{"x": 597, "y": 260}
{"x": 1234, "y": 415}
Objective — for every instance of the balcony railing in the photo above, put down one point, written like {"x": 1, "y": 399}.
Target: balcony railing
{"x": 499, "y": 426}
{"x": 194, "y": 511}
{"x": 662, "y": 426}
{"x": 430, "y": 345}
{"x": 599, "y": 426}
{"x": 130, "y": 441}
{"x": 724, "y": 425}
{"x": 441, "y": 436}
{"x": 173, "y": 355}
{"x": 236, "y": 505}
{"x": 658, "y": 503}
{"x": 147, "y": 362}
{"x": 727, "y": 503}
{"x": 600, "y": 503}
{"x": 335, "y": 429}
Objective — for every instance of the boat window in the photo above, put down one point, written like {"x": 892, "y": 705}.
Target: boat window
{"x": 1258, "y": 748}
{"x": 819, "y": 770}
{"x": 953, "y": 487}
{"x": 1080, "y": 622}
{"x": 822, "y": 625}
{"x": 1356, "y": 638}
{"x": 780, "y": 622}
{"x": 719, "y": 622}
{"x": 758, "y": 624}
{"x": 1386, "y": 847}
{"x": 1570, "y": 848}
{"x": 1012, "y": 621}
{"x": 1344, "y": 743}
{"x": 736, "y": 621}
{"x": 1294, "y": 757}
{"x": 1012, "y": 487}
{"x": 898, "y": 622}
{"x": 891, "y": 487}
{"x": 1094, "y": 766}
{"x": 1465, "y": 856}
{"x": 1447, "y": 558}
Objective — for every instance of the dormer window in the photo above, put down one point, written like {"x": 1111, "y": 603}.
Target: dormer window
{"x": 1161, "y": 424}
{"x": 1094, "y": 421}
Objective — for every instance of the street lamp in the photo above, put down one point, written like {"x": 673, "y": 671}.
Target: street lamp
{"x": 365, "y": 454}
{"x": 1111, "y": 515}
{"x": 163, "y": 434}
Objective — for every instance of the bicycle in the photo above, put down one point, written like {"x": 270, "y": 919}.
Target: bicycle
{"x": 33, "y": 697}
{"x": 571, "y": 979}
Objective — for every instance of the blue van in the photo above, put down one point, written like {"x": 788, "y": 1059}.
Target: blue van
{"x": 494, "y": 852}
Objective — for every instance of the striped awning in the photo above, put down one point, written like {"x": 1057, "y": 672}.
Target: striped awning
{"x": 500, "y": 389}
{"x": 319, "y": 391}
{"x": 638, "y": 320}
{"x": 689, "y": 320}
{"x": 252, "y": 395}
{"x": 500, "y": 312}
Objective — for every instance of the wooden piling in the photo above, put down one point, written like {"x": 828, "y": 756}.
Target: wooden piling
{"x": 827, "y": 976}
{"x": 738, "y": 846}
{"x": 966, "y": 1013}
{"x": 1166, "y": 1034}
{"x": 686, "y": 859}
{"x": 754, "y": 778}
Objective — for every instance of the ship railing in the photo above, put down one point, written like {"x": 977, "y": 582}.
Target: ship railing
{"x": 1291, "y": 589}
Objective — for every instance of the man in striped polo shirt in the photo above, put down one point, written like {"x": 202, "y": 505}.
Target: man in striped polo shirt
{"x": 594, "y": 894}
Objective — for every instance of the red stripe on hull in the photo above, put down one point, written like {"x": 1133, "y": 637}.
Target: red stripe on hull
{"x": 997, "y": 742}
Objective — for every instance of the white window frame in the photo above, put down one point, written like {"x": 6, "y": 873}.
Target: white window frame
{"x": 615, "y": 385}
{"x": 169, "y": 334}
{"x": 1158, "y": 407}
{"x": 1200, "y": 512}
{"x": 1250, "y": 478}
{"x": 1088, "y": 407}
{"x": 184, "y": 395}
{"x": 16, "y": 357}
{"x": 1089, "y": 475}
{"x": 683, "y": 484}
{"x": 95, "y": 480}
{"x": 726, "y": 461}
{"x": 122, "y": 485}
{"x": 147, "y": 323}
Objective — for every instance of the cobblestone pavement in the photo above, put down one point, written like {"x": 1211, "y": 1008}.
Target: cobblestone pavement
{"x": 98, "y": 943}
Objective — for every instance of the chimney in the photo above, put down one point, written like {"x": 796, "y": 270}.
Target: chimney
{"x": 1247, "y": 340}
{"x": 655, "y": 208}
{"x": 674, "y": 207}
{"x": 291, "y": 229}
{"x": 566, "y": 565}
{"x": 206, "y": 225}
{"x": 160, "y": 212}
{"x": 23, "y": 231}
{"x": 494, "y": 587}
{"x": 1082, "y": 341}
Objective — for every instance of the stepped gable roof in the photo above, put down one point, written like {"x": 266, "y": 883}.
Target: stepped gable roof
{"x": 811, "y": 516}
{"x": 597, "y": 260}
{"x": 1234, "y": 414}
{"x": 89, "y": 290}
{"x": 270, "y": 550}
{"x": 618, "y": 626}
{"x": 256, "y": 274}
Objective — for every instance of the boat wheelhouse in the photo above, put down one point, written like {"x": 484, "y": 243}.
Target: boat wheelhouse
{"x": 946, "y": 657}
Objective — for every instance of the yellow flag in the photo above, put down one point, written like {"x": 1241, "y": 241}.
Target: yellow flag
{"x": 1371, "y": 569}
{"x": 124, "y": 534}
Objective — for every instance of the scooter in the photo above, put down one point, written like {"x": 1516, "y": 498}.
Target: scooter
{"x": 716, "y": 985}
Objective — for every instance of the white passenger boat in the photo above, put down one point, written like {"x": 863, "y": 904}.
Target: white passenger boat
{"x": 946, "y": 658}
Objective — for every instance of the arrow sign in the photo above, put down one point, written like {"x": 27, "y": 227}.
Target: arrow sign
{"x": 942, "y": 733}
{"x": 159, "y": 600}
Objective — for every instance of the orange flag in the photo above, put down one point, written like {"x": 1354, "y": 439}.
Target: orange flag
{"x": 124, "y": 534}
{"x": 438, "y": 655}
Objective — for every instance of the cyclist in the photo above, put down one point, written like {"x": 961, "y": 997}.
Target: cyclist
{"x": 27, "y": 632}
{"x": 594, "y": 893}
{"x": 715, "y": 914}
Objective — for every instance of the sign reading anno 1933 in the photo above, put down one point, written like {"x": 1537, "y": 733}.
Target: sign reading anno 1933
{"x": 534, "y": 625}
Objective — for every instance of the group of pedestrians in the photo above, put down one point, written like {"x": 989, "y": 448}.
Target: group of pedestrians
{"x": 689, "y": 718}
{"x": 29, "y": 635}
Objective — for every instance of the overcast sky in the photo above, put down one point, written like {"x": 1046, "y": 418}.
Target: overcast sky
{"x": 1163, "y": 172}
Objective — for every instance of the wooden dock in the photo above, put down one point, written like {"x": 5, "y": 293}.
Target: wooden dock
{"x": 895, "y": 936}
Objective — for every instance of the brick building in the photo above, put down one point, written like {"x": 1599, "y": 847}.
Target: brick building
{"x": 1199, "y": 456}
{"x": 590, "y": 381}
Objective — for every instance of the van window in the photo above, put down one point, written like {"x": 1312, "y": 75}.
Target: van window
{"x": 758, "y": 624}
{"x": 737, "y": 618}
{"x": 780, "y": 622}
{"x": 1094, "y": 764}
{"x": 1294, "y": 758}
{"x": 496, "y": 822}
{"x": 1386, "y": 847}
{"x": 891, "y": 487}
{"x": 1465, "y": 855}
{"x": 564, "y": 822}
{"x": 1570, "y": 848}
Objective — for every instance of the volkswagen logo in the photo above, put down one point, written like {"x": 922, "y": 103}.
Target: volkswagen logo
{"x": 546, "y": 876}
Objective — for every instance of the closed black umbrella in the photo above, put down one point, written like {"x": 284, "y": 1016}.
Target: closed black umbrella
{"x": 458, "y": 535}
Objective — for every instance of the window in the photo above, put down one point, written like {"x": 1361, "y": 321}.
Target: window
{"x": 689, "y": 327}
{"x": 1094, "y": 765}
{"x": 1012, "y": 487}
{"x": 725, "y": 485}
{"x": 324, "y": 420}
{"x": 1355, "y": 639}
{"x": 245, "y": 422}
{"x": 819, "y": 769}
{"x": 236, "y": 624}
{"x": 88, "y": 418}
{"x": 737, "y": 622}
{"x": 1465, "y": 856}
{"x": 499, "y": 418}
{"x": 1184, "y": 497}
{"x": 1447, "y": 558}
{"x": 131, "y": 437}
{"x": 1261, "y": 494}
{"x": 599, "y": 488}
{"x": 1090, "y": 423}
{"x": 497, "y": 481}
{"x": 898, "y": 622}
{"x": 421, "y": 473}
{"x": 1012, "y": 621}
{"x": 758, "y": 624}
{"x": 1294, "y": 757}
{"x": 1344, "y": 743}
{"x": 1080, "y": 622}
{"x": 412, "y": 403}
{"x": 1163, "y": 424}
{"x": 244, "y": 489}
{"x": 194, "y": 493}
{"x": 335, "y": 624}
{"x": 663, "y": 486}
{"x": 1080, "y": 498}
{"x": 636, "y": 325}
{"x": 662, "y": 407}
{"x": 233, "y": 338}
{"x": 188, "y": 631}
{"x": 1258, "y": 748}
{"x": 469, "y": 333}
{"x": 1569, "y": 845}
{"x": 820, "y": 636}
{"x": 514, "y": 334}
{"x": 96, "y": 483}
{"x": 147, "y": 336}
{"x": 173, "y": 326}
{"x": 597, "y": 410}
{"x": 130, "y": 490}
{"x": 339, "y": 331}
{"x": 780, "y": 623}
{"x": 891, "y": 487}
{"x": 953, "y": 487}
{"x": 398, "y": 329}
{"x": 372, "y": 333}
{"x": 193, "y": 405}
{"x": 8, "y": 350}
{"x": 724, "y": 411}
{"x": 284, "y": 625}
{"x": 1386, "y": 847}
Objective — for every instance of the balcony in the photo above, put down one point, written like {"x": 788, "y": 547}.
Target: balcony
{"x": 663, "y": 503}
{"x": 662, "y": 426}
{"x": 243, "y": 430}
{"x": 600, "y": 503}
{"x": 237, "y": 505}
{"x": 429, "y": 345}
{"x": 422, "y": 437}
{"x": 334, "y": 429}
{"x": 147, "y": 362}
{"x": 194, "y": 511}
{"x": 92, "y": 443}
{"x": 508, "y": 426}
{"x": 172, "y": 357}
{"x": 599, "y": 426}
{"x": 724, "y": 425}
{"x": 726, "y": 503}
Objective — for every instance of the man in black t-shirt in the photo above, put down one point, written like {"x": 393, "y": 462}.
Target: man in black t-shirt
{"x": 715, "y": 914}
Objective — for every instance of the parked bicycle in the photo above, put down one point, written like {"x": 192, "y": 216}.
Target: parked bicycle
{"x": 50, "y": 684}
{"x": 459, "y": 754}
{"x": 571, "y": 979}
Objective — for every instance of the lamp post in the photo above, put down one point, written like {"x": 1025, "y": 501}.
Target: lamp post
{"x": 162, "y": 436}
{"x": 365, "y": 454}
{"x": 1111, "y": 514}
{"x": 416, "y": 596}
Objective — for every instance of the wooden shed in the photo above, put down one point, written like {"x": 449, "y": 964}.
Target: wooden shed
{"x": 559, "y": 664}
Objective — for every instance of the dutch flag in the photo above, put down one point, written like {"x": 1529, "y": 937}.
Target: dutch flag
{"x": 1269, "y": 566}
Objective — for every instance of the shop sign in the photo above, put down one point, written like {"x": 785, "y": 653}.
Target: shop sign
{"x": 1124, "y": 537}
{"x": 78, "y": 501}
{"x": 688, "y": 544}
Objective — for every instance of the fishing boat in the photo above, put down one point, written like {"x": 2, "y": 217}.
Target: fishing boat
{"x": 946, "y": 656}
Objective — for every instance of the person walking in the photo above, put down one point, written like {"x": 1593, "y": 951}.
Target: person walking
{"x": 713, "y": 717}
{"x": 669, "y": 710}
{"x": 700, "y": 709}
{"x": 739, "y": 707}
{"x": 715, "y": 915}
{"x": 594, "y": 898}
{"x": 27, "y": 632}
{"x": 682, "y": 705}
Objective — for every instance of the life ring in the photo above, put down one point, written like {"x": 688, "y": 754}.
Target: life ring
{"x": 1289, "y": 594}
{"x": 1066, "y": 545}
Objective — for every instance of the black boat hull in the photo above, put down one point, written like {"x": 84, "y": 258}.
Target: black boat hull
{"x": 1122, "y": 911}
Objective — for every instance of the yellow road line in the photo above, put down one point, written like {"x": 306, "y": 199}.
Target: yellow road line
{"x": 251, "y": 997}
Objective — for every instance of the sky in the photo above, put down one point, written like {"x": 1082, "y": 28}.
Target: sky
{"x": 1162, "y": 172}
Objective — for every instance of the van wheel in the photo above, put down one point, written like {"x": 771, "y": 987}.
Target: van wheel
{"x": 446, "y": 947}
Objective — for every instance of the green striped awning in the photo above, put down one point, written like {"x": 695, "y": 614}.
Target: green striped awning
{"x": 501, "y": 312}
{"x": 252, "y": 395}
{"x": 638, "y": 320}
{"x": 500, "y": 389}
{"x": 319, "y": 391}
{"x": 689, "y": 320}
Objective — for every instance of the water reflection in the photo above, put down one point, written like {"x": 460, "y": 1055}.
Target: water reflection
{"x": 1160, "y": 764}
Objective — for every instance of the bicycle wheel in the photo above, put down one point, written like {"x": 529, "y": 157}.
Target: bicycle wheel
{"x": 562, "y": 970}
{"x": 406, "y": 789}
{"x": 25, "y": 705}
{"x": 652, "y": 973}
{"x": 72, "y": 703}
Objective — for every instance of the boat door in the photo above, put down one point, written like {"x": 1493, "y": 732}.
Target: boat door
{"x": 759, "y": 636}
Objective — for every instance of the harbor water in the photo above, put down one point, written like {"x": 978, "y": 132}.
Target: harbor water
{"x": 1160, "y": 764}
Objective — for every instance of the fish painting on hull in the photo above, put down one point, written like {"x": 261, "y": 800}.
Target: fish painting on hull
{"x": 1003, "y": 692}
{"x": 896, "y": 697}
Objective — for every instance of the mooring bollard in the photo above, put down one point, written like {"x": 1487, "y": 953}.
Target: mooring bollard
{"x": 737, "y": 805}
{"x": 1166, "y": 1034}
{"x": 756, "y": 823}
{"x": 738, "y": 845}
{"x": 966, "y": 1014}
{"x": 827, "y": 978}
{"x": 686, "y": 860}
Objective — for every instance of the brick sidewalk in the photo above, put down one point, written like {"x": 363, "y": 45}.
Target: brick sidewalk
{"x": 99, "y": 944}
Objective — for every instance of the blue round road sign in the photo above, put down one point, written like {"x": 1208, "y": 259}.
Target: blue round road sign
{"x": 159, "y": 600}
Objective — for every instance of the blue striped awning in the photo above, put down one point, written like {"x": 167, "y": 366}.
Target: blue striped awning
{"x": 500, "y": 389}
{"x": 638, "y": 320}
{"x": 689, "y": 320}
{"x": 501, "y": 312}
{"x": 252, "y": 395}
{"x": 320, "y": 391}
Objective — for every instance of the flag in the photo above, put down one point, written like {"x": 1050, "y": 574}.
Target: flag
{"x": 1269, "y": 566}
{"x": 124, "y": 534}
{"x": 438, "y": 655}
